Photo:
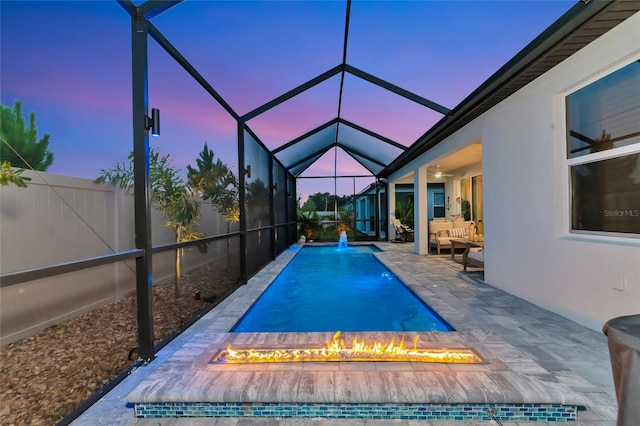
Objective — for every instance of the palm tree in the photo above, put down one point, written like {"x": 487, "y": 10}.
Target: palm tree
{"x": 404, "y": 212}
{"x": 173, "y": 197}
{"x": 213, "y": 180}
{"x": 258, "y": 201}
{"x": 177, "y": 204}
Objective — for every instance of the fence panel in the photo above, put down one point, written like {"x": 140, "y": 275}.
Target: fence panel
{"x": 61, "y": 219}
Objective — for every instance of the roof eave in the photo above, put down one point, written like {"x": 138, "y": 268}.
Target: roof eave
{"x": 573, "y": 29}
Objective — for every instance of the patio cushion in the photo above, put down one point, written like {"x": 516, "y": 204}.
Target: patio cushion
{"x": 476, "y": 253}
{"x": 457, "y": 232}
{"x": 473, "y": 256}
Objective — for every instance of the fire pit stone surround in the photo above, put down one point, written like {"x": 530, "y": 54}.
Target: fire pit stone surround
{"x": 388, "y": 390}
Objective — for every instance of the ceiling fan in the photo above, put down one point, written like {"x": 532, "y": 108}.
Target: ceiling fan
{"x": 438, "y": 173}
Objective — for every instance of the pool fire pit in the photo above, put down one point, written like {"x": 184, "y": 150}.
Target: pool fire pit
{"x": 337, "y": 350}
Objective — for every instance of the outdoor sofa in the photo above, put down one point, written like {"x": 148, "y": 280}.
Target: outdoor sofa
{"x": 441, "y": 232}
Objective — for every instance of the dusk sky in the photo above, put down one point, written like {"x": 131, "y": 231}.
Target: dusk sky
{"x": 70, "y": 63}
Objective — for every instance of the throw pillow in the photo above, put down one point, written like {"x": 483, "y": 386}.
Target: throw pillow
{"x": 456, "y": 232}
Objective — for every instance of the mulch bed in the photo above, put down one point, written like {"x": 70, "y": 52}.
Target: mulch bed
{"x": 46, "y": 376}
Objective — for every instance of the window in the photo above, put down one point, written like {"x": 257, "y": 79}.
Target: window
{"x": 603, "y": 153}
{"x": 438, "y": 204}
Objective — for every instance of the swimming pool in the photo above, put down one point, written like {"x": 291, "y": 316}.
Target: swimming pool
{"x": 324, "y": 288}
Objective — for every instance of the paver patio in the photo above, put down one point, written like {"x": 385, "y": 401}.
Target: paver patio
{"x": 534, "y": 355}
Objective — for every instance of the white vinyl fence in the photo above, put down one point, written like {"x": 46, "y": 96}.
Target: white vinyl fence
{"x": 59, "y": 219}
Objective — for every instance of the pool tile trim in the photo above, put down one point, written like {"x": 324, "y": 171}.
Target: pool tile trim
{"x": 425, "y": 411}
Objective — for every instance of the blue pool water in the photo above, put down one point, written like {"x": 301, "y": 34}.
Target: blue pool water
{"x": 329, "y": 289}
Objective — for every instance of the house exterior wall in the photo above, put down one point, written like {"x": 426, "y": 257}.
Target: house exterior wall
{"x": 529, "y": 251}
{"x": 58, "y": 219}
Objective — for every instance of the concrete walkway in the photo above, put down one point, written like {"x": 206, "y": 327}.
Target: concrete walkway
{"x": 518, "y": 337}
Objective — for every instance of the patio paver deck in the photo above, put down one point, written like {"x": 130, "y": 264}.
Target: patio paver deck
{"x": 533, "y": 354}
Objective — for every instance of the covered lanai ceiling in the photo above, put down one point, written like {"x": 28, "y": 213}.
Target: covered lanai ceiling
{"x": 353, "y": 84}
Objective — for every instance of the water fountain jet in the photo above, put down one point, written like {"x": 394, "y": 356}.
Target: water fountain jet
{"x": 342, "y": 243}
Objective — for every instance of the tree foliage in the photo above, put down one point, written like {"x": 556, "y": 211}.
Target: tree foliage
{"x": 20, "y": 145}
{"x": 213, "y": 180}
{"x": 404, "y": 211}
{"x": 258, "y": 201}
{"x": 173, "y": 197}
{"x": 308, "y": 220}
{"x": 10, "y": 175}
{"x": 325, "y": 201}
{"x": 309, "y": 208}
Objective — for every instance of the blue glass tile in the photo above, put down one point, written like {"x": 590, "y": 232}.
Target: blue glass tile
{"x": 407, "y": 411}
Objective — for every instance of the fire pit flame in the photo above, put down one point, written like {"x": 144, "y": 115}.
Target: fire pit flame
{"x": 337, "y": 350}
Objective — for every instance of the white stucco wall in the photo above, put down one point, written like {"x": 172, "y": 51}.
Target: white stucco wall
{"x": 529, "y": 251}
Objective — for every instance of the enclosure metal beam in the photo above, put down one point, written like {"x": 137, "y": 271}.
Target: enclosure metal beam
{"x": 186, "y": 65}
{"x": 288, "y": 177}
{"x": 317, "y": 154}
{"x": 153, "y": 8}
{"x": 128, "y": 6}
{"x": 18, "y": 277}
{"x": 327, "y": 125}
{"x": 397, "y": 90}
{"x": 352, "y": 152}
{"x": 294, "y": 92}
{"x": 294, "y": 202}
{"x": 148, "y": 9}
{"x": 338, "y": 176}
{"x": 200, "y": 241}
{"x": 376, "y": 207}
{"x": 306, "y": 135}
{"x": 373, "y": 134}
{"x": 344, "y": 63}
{"x": 346, "y": 32}
{"x": 295, "y": 169}
{"x": 272, "y": 218}
{"x": 142, "y": 197}
{"x": 244, "y": 271}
